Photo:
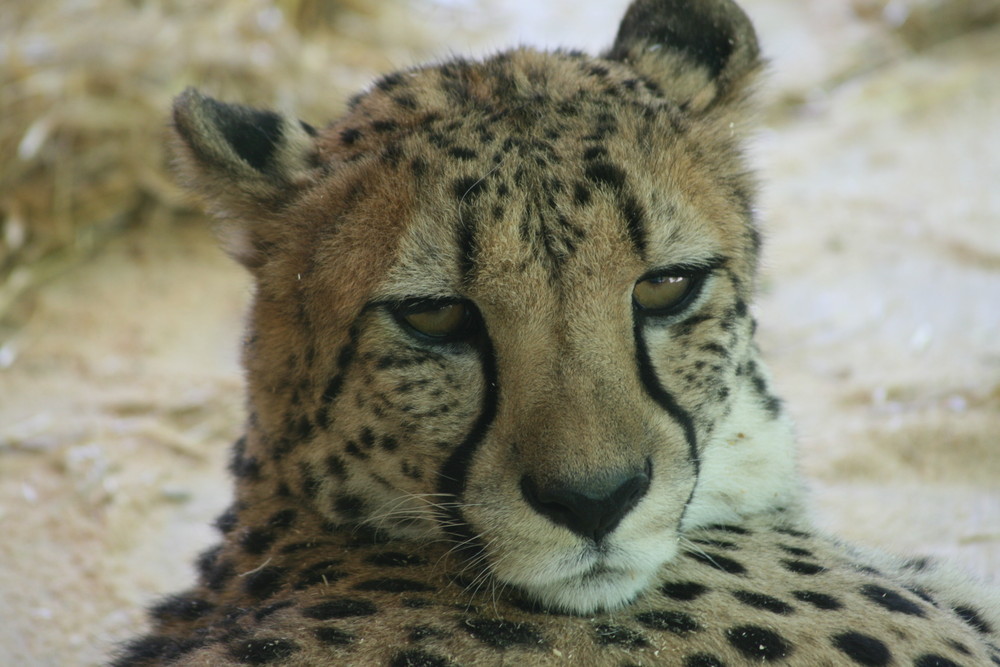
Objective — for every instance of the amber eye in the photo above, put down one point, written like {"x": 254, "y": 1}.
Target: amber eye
{"x": 661, "y": 293}
{"x": 437, "y": 321}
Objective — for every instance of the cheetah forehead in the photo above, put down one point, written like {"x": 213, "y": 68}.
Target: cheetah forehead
{"x": 518, "y": 164}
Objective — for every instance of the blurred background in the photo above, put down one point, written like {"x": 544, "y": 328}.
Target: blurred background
{"x": 120, "y": 320}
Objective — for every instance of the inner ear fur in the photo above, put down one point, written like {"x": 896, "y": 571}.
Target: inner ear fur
{"x": 245, "y": 163}
{"x": 700, "y": 52}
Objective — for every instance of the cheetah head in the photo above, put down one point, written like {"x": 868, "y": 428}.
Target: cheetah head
{"x": 505, "y": 303}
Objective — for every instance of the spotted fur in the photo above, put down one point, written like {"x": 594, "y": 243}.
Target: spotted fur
{"x": 575, "y": 477}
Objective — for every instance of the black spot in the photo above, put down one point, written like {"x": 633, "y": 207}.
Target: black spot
{"x": 389, "y": 81}
{"x": 385, "y": 126}
{"x": 256, "y": 541}
{"x": 333, "y": 636}
{"x": 282, "y": 519}
{"x": 605, "y": 173}
{"x": 339, "y": 608}
{"x": 367, "y": 438}
{"x": 960, "y": 647}
{"x": 818, "y": 600}
{"x": 406, "y": 101}
{"x": 181, "y": 608}
{"x": 468, "y": 189}
{"x": 241, "y": 465}
{"x": 617, "y": 635}
{"x": 415, "y": 658}
{"x": 922, "y": 594}
{"x": 462, "y": 153}
{"x": 918, "y": 564}
{"x": 391, "y": 585}
{"x": 265, "y": 582}
{"x": 417, "y": 603}
{"x": 388, "y": 443}
{"x": 350, "y": 136}
{"x": 215, "y": 571}
{"x": 703, "y": 660}
{"x": 336, "y": 467}
{"x": 758, "y": 643}
{"x": 802, "y": 567}
{"x": 349, "y": 505}
{"x": 226, "y": 521}
{"x": 684, "y": 590}
{"x": 325, "y": 572}
{"x": 862, "y": 649}
{"x": 393, "y": 154}
{"x": 155, "y": 648}
{"x": 635, "y": 221}
{"x": 311, "y": 484}
{"x": 581, "y": 194}
{"x": 972, "y": 617}
{"x": 796, "y": 551}
{"x": 934, "y": 660}
{"x": 395, "y": 559}
{"x": 718, "y": 562}
{"x": 352, "y": 448}
{"x": 502, "y": 634}
{"x": 674, "y": 621}
{"x": 262, "y": 651}
{"x": 765, "y": 602}
{"x": 891, "y": 600}
{"x": 332, "y": 389}
{"x": 266, "y": 611}
{"x": 304, "y": 428}
{"x": 595, "y": 152}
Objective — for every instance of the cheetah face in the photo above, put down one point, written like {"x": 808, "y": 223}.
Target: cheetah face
{"x": 504, "y": 303}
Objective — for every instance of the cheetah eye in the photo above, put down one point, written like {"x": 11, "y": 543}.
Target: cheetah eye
{"x": 665, "y": 294}
{"x": 437, "y": 320}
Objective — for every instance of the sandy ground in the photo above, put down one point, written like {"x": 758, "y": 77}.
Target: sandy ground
{"x": 879, "y": 309}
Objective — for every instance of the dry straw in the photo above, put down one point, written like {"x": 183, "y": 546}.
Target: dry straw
{"x": 85, "y": 87}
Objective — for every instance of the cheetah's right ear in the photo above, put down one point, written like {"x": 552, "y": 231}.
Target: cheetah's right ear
{"x": 701, "y": 52}
{"x": 245, "y": 163}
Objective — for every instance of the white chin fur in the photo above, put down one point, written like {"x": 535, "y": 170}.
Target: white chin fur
{"x": 592, "y": 593}
{"x": 579, "y": 580}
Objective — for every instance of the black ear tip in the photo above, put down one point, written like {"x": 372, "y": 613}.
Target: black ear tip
{"x": 216, "y": 128}
{"x": 707, "y": 32}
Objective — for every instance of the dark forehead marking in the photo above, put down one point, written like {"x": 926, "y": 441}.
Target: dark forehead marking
{"x": 612, "y": 177}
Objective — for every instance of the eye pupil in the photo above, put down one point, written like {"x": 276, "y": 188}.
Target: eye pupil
{"x": 441, "y": 322}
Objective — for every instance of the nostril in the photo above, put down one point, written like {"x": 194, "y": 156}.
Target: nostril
{"x": 591, "y": 510}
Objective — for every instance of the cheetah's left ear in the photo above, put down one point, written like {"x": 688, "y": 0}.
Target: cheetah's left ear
{"x": 701, "y": 52}
{"x": 245, "y": 163}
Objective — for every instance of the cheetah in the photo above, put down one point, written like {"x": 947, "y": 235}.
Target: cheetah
{"x": 504, "y": 403}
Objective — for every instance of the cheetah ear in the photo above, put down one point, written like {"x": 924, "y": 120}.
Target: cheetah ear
{"x": 245, "y": 163}
{"x": 700, "y": 52}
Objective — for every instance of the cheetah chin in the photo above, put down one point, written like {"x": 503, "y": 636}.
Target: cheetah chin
{"x": 591, "y": 582}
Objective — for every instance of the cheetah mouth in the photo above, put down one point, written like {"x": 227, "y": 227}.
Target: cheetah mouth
{"x": 585, "y": 583}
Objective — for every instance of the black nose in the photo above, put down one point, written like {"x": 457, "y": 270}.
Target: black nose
{"x": 591, "y": 510}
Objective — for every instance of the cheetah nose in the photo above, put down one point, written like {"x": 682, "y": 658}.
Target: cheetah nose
{"x": 591, "y": 510}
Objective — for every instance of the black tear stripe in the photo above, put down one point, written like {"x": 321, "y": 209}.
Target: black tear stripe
{"x": 453, "y": 474}
{"x": 663, "y": 398}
